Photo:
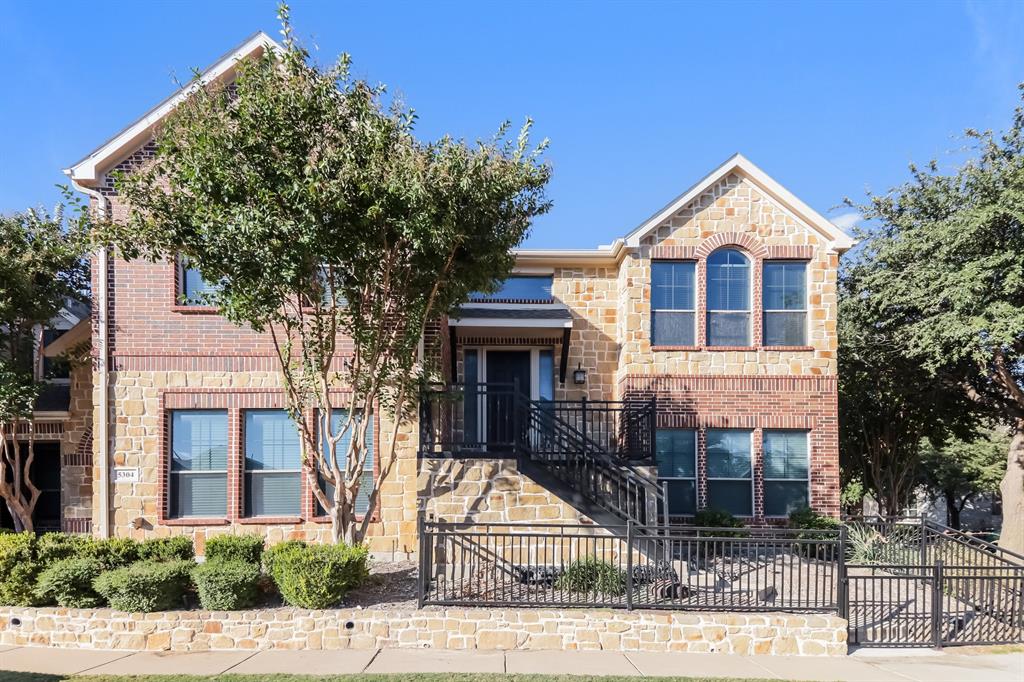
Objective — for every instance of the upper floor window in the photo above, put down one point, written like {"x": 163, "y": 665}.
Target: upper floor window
{"x": 531, "y": 288}
{"x": 785, "y": 303}
{"x": 193, "y": 287}
{"x": 728, "y": 299}
{"x": 672, "y": 303}
{"x": 199, "y": 463}
{"x": 273, "y": 466}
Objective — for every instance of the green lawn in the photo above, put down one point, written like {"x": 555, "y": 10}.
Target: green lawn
{"x": 419, "y": 677}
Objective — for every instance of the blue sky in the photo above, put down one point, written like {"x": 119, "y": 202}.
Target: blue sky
{"x": 639, "y": 99}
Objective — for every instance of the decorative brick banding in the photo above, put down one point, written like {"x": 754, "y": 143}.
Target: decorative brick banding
{"x": 569, "y": 629}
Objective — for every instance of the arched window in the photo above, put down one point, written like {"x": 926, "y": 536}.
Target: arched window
{"x": 728, "y": 304}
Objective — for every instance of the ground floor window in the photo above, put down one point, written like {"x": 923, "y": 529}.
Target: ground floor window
{"x": 786, "y": 472}
{"x": 676, "y": 451}
{"x": 273, "y": 467}
{"x": 362, "y": 501}
{"x": 199, "y": 463}
{"x": 730, "y": 474}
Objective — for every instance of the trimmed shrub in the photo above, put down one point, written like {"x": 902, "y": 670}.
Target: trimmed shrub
{"x": 271, "y": 554}
{"x": 227, "y": 585}
{"x": 248, "y": 548}
{"x": 319, "y": 576}
{"x": 18, "y": 569}
{"x": 717, "y": 518}
{"x": 167, "y": 549}
{"x": 146, "y": 585}
{"x": 68, "y": 582}
{"x": 592, "y": 575}
{"x": 809, "y": 520}
{"x": 53, "y": 547}
{"x": 112, "y": 552}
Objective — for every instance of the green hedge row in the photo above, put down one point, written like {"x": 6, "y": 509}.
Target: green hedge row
{"x": 81, "y": 572}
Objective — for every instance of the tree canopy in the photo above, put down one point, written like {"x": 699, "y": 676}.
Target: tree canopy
{"x": 327, "y": 224}
{"x": 958, "y": 471}
{"x": 946, "y": 284}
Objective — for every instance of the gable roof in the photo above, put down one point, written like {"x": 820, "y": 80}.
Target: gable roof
{"x": 836, "y": 238}
{"x": 88, "y": 170}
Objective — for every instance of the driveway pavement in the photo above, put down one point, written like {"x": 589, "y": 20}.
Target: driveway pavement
{"x": 862, "y": 666}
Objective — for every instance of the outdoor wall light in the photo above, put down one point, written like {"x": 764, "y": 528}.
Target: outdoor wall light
{"x": 579, "y": 375}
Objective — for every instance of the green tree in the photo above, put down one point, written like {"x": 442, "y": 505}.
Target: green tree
{"x": 888, "y": 401}
{"x": 41, "y": 265}
{"x": 960, "y": 470}
{"x": 329, "y": 226}
{"x": 947, "y": 285}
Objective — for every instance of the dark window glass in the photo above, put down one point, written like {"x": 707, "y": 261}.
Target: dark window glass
{"x": 676, "y": 454}
{"x": 730, "y": 484}
{"x": 272, "y": 464}
{"x": 728, "y": 299}
{"x": 786, "y": 472}
{"x": 199, "y": 463}
{"x": 785, "y": 303}
{"x": 362, "y": 501}
{"x": 672, "y": 303}
{"x": 519, "y": 288}
{"x": 194, "y": 289}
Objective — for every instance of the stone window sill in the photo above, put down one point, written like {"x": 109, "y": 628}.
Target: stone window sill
{"x": 741, "y": 349}
{"x": 188, "y": 521}
{"x": 195, "y": 309}
{"x": 667, "y": 349}
{"x": 790, "y": 348}
{"x": 269, "y": 520}
{"x": 327, "y": 519}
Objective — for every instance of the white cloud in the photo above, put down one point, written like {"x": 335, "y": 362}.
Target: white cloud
{"x": 847, "y": 221}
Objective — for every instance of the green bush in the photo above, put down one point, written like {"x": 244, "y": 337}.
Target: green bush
{"x": 146, "y": 585}
{"x": 112, "y": 552}
{"x": 53, "y": 547}
{"x": 318, "y": 576}
{"x": 167, "y": 549}
{"x": 271, "y": 554}
{"x": 717, "y": 518}
{"x": 18, "y": 569}
{"x": 592, "y": 575}
{"x": 227, "y": 585}
{"x": 68, "y": 582}
{"x": 248, "y": 548}
{"x": 811, "y": 521}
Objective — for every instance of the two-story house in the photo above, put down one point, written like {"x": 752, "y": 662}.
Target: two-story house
{"x": 691, "y": 364}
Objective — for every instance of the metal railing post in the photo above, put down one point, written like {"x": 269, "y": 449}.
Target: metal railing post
{"x": 843, "y": 594}
{"x": 937, "y": 605}
{"x": 516, "y": 437}
{"x": 629, "y": 565}
{"x": 583, "y": 421}
{"x": 664, "y": 502}
{"x": 421, "y": 581}
{"x": 923, "y": 542}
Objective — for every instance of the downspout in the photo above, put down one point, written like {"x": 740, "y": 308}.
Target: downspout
{"x": 102, "y": 436}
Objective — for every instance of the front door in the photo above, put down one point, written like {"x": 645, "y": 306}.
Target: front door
{"x": 506, "y": 370}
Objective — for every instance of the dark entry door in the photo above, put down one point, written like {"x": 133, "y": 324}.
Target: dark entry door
{"x": 505, "y": 370}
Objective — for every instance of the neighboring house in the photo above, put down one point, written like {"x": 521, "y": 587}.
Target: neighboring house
{"x": 710, "y": 329}
{"x": 62, "y": 420}
{"x": 984, "y": 512}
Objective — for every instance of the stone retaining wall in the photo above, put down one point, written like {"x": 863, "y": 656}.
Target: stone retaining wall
{"x": 593, "y": 629}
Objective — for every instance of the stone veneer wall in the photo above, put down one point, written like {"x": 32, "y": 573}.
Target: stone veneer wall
{"x": 728, "y": 633}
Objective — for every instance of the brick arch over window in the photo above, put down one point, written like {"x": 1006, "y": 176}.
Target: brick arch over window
{"x": 743, "y": 240}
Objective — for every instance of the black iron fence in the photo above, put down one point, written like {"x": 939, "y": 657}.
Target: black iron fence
{"x": 623, "y": 429}
{"x": 561, "y": 565}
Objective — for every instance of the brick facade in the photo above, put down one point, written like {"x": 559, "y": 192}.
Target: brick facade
{"x": 162, "y": 355}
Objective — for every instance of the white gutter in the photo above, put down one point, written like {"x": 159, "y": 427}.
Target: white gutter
{"x": 102, "y": 434}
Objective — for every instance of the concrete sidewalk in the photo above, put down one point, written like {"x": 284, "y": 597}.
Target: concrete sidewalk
{"x": 863, "y": 666}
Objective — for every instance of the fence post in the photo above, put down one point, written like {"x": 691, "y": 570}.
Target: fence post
{"x": 421, "y": 582}
{"x": 666, "y": 518}
{"x": 937, "y": 605}
{"x": 923, "y": 542}
{"x": 843, "y": 589}
{"x": 629, "y": 565}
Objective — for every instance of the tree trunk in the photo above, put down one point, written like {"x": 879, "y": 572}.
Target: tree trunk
{"x": 952, "y": 510}
{"x": 1012, "y": 490}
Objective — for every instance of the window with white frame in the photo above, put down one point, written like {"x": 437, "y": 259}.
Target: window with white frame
{"x": 199, "y": 463}
{"x": 786, "y": 472}
{"x": 785, "y": 303}
{"x": 532, "y": 288}
{"x": 676, "y": 451}
{"x": 673, "y": 312}
{"x": 728, "y": 299}
{"x": 730, "y": 474}
{"x": 194, "y": 290}
{"x": 273, "y": 466}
